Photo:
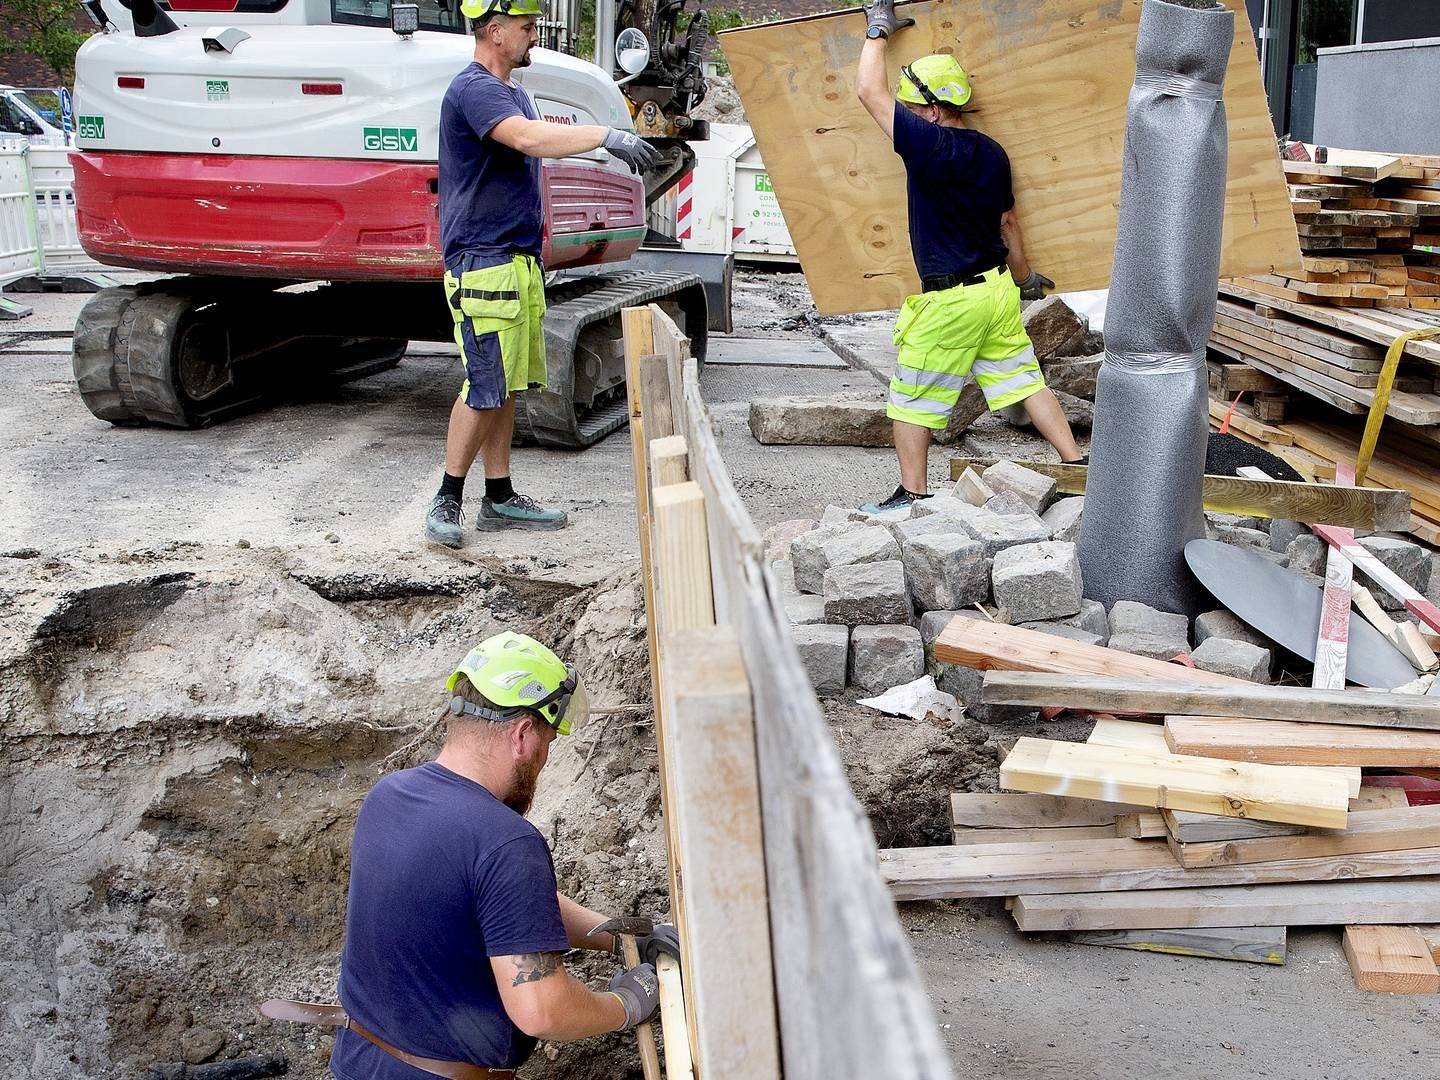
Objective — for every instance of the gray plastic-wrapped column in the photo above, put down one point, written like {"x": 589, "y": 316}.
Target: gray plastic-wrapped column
{"x": 1147, "y": 456}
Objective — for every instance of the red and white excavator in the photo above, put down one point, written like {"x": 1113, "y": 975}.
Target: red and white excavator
{"x": 279, "y": 157}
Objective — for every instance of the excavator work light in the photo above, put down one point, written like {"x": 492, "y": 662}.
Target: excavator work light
{"x": 404, "y": 19}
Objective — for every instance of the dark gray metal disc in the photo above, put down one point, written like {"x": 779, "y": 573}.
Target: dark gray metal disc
{"x": 1286, "y": 608}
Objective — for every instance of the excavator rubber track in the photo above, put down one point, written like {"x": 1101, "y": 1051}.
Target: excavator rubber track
{"x": 552, "y": 417}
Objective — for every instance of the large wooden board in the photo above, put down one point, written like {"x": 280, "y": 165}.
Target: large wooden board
{"x": 1321, "y": 904}
{"x": 1206, "y": 785}
{"x": 1402, "y": 829}
{"x": 1051, "y": 81}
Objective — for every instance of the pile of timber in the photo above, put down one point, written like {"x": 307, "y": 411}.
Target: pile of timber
{"x": 1181, "y": 829}
{"x": 1369, "y": 231}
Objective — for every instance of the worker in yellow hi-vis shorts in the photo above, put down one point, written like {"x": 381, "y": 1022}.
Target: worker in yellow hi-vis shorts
{"x": 965, "y": 321}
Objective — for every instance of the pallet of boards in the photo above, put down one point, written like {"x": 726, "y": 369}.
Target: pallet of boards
{"x": 1369, "y": 232}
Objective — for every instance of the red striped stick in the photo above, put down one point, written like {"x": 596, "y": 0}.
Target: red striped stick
{"x": 1332, "y": 645}
{"x": 1343, "y": 540}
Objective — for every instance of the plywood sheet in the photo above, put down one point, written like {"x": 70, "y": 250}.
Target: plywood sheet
{"x": 1051, "y": 81}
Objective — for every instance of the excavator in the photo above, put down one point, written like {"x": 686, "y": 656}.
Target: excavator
{"x": 277, "y": 158}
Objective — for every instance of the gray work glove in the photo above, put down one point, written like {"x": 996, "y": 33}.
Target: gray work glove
{"x": 631, "y": 149}
{"x": 1034, "y": 286}
{"x": 664, "y": 940}
{"x": 881, "y": 21}
{"x": 639, "y": 991}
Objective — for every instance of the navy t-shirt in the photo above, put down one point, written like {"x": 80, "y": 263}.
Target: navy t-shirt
{"x": 489, "y": 194}
{"x": 443, "y": 876}
{"x": 958, "y": 183}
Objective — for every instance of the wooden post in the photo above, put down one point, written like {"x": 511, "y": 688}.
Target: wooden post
{"x": 682, "y": 558}
{"x": 678, "y": 1063}
{"x": 728, "y": 975}
{"x": 669, "y": 460}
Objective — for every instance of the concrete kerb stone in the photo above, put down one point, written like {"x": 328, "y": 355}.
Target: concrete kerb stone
{"x": 946, "y": 571}
{"x": 1035, "y": 490}
{"x": 825, "y": 651}
{"x": 811, "y": 553}
{"x": 1035, "y": 582}
{"x": 1145, "y": 631}
{"x": 882, "y": 657}
{"x": 1240, "y": 659}
{"x": 871, "y": 593}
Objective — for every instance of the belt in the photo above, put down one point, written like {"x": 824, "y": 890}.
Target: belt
{"x": 309, "y": 1012}
{"x": 950, "y": 281}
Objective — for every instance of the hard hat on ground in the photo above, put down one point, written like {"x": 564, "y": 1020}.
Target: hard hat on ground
{"x": 516, "y": 675}
{"x": 478, "y": 9}
{"x": 937, "y": 79}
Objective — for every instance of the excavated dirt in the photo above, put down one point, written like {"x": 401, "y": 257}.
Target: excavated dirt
{"x": 189, "y": 736}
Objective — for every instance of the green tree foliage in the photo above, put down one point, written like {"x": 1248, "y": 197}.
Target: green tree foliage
{"x": 42, "y": 28}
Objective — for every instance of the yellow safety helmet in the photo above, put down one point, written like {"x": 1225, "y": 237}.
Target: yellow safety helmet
{"x": 478, "y": 9}
{"x": 937, "y": 79}
{"x": 515, "y": 674}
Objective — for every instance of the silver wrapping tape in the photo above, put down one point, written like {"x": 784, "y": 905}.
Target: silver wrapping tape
{"x": 1173, "y": 84}
{"x": 1155, "y": 363}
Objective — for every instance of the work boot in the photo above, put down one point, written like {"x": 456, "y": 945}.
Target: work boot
{"x": 443, "y": 524}
{"x": 900, "y": 500}
{"x": 518, "y": 512}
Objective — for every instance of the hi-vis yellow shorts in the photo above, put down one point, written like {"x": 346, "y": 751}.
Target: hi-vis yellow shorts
{"x": 498, "y": 303}
{"x": 946, "y": 336}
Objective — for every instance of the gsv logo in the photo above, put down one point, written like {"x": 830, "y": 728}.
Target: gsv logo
{"x": 392, "y": 139}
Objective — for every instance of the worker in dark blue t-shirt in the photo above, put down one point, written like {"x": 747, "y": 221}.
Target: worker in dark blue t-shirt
{"x": 491, "y": 227}
{"x": 454, "y": 930}
{"x": 966, "y": 241}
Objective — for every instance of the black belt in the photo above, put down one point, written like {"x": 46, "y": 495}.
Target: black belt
{"x": 950, "y": 281}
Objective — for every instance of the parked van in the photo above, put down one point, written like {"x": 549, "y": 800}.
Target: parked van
{"x": 21, "y": 115}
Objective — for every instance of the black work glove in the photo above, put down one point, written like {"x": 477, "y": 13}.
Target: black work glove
{"x": 1034, "y": 286}
{"x": 631, "y": 149}
{"x": 663, "y": 940}
{"x": 639, "y": 991}
{"x": 881, "y": 21}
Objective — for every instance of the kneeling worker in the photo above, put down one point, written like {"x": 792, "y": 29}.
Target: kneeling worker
{"x": 966, "y": 320}
{"x": 454, "y": 932}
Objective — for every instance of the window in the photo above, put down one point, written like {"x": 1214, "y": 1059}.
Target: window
{"x": 14, "y": 120}
{"x": 1322, "y": 24}
{"x": 442, "y": 15}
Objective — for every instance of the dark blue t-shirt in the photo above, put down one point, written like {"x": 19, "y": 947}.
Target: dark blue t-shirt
{"x": 443, "y": 876}
{"x": 958, "y": 183}
{"x": 489, "y": 194}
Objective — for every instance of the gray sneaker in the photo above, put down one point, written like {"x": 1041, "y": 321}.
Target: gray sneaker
{"x": 518, "y": 512}
{"x": 443, "y": 524}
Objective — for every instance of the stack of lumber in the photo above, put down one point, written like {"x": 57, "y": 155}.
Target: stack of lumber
{"x": 1369, "y": 231}
{"x": 1180, "y": 829}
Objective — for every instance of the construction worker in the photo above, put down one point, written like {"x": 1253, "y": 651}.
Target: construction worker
{"x": 491, "y": 222}
{"x": 454, "y": 930}
{"x": 973, "y": 272}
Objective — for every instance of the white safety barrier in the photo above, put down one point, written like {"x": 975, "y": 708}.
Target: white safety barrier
{"x": 20, "y": 251}
{"x": 53, "y": 178}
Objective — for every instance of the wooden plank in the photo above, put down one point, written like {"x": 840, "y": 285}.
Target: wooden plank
{"x": 1304, "y": 333}
{"x": 1328, "y": 903}
{"x": 1141, "y": 826}
{"x": 1201, "y": 828}
{"x": 1150, "y": 738}
{"x": 1368, "y": 830}
{"x": 1415, "y": 603}
{"x": 1391, "y": 960}
{"x": 1403, "y": 636}
{"x": 682, "y": 558}
{"x": 952, "y": 872}
{"x": 1235, "y": 378}
{"x": 1054, "y": 834}
{"x": 1431, "y": 934}
{"x": 1281, "y": 742}
{"x": 1240, "y": 421}
{"x": 679, "y": 1063}
{"x": 1369, "y": 326}
{"x": 1206, "y": 785}
{"x": 1300, "y": 382}
{"x": 996, "y": 646}
{"x": 1347, "y": 369}
{"x": 1017, "y": 810}
{"x": 1100, "y": 693}
{"x": 711, "y": 744}
{"x": 836, "y": 174}
{"x": 1288, "y": 500}
{"x": 644, "y": 1033}
{"x": 669, "y": 460}
{"x": 1253, "y": 944}
{"x": 1332, "y": 636}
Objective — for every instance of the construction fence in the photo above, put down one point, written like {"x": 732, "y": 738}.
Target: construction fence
{"x": 795, "y": 962}
{"x": 38, "y": 231}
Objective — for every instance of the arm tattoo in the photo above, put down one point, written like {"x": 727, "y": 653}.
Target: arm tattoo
{"x": 533, "y": 966}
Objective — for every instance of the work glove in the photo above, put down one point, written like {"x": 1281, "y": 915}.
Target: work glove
{"x": 881, "y": 21}
{"x": 652, "y": 939}
{"x": 639, "y": 991}
{"x": 631, "y": 149}
{"x": 1034, "y": 286}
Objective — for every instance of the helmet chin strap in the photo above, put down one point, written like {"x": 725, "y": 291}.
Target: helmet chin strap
{"x": 925, "y": 91}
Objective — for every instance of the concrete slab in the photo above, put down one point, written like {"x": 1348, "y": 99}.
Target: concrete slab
{"x": 868, "y": 345}
{"x": 726, "y": 350}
